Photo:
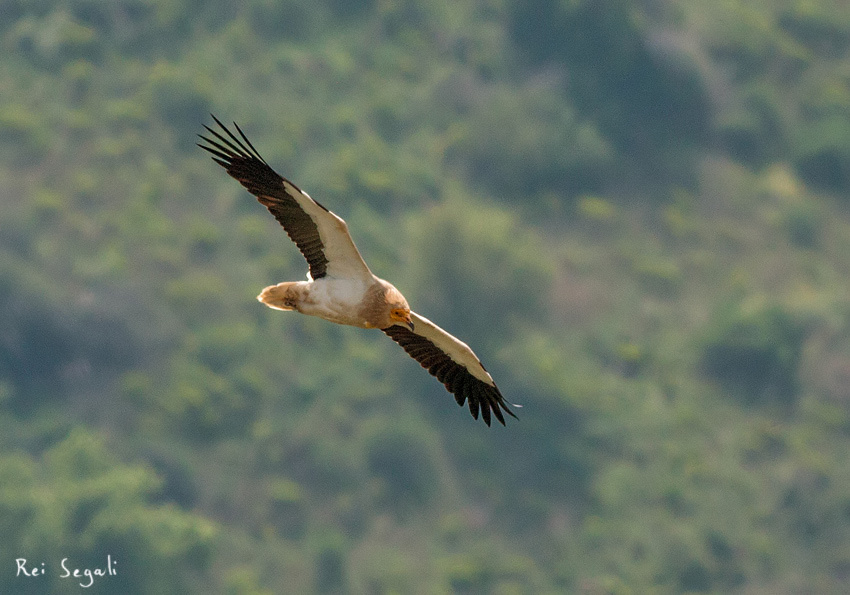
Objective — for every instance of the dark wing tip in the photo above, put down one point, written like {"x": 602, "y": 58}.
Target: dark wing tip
{"x": 228, "y": 146}
{"x": 491, "y": 399}
{"x": 238, "y": 156}
{"x": 481, "y": 397}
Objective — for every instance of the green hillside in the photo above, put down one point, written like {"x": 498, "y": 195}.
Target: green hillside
{"x": 635, "y": 212}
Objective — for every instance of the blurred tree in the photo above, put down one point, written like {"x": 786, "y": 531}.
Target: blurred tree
{"x": 78, "y": 502}
{"x": 500, "y": 145}
{"x": 756, "y": 352}
{"x": 646, "y": 100}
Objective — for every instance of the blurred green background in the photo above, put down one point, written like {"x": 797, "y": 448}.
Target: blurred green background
{"x": 665, "y": 182}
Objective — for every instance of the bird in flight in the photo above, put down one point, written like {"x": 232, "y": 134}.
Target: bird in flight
{"x": 341, "y": 288}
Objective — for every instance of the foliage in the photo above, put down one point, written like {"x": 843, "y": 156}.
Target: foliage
{"x": 755, "y": 349}
{"x": 77, "y": 502}
{"x": 634, "y": 212}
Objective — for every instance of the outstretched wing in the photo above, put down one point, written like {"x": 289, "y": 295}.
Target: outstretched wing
{"x": 320, "y": 235}
{"x": 454, "y": 364}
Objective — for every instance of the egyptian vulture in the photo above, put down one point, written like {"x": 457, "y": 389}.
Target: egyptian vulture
{"x": 341, "y": 288}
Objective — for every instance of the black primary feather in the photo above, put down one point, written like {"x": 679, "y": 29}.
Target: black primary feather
{"x": 242, "y": 161}
{"x": 465, "y": 387}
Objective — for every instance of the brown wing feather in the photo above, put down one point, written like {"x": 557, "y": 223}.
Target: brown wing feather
{"x": 464, "y": 386}
{"x": 243, "y": 162}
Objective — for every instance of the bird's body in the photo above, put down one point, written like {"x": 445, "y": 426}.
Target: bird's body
{"x": 343, "y": 301}
{"x": 340, "y": 287}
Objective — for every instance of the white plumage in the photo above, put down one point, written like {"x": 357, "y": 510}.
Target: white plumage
{"x": 341, "y": 288}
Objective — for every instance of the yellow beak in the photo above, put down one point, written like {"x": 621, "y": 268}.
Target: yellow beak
{"x": 402, "y": 316}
